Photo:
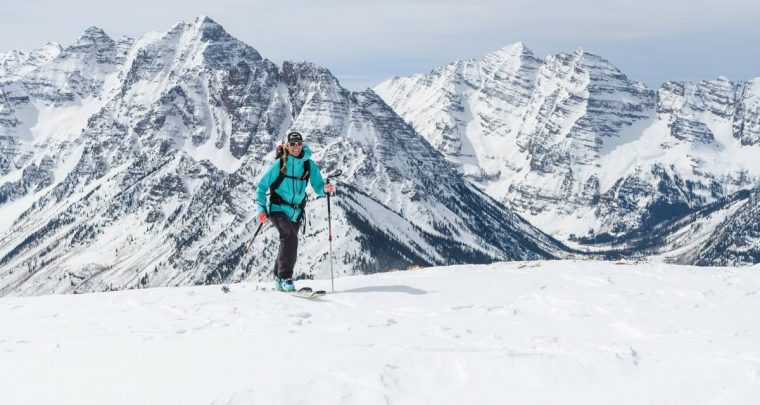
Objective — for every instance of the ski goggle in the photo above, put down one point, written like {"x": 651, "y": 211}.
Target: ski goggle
{"x": 296, "y": 143}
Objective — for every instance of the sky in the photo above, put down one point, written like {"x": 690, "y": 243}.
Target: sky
{"x": 366, "y": 42}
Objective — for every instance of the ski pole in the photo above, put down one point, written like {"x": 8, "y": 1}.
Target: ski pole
{"x": 246, "y": 249}
{"x": 329, "y": 230}
{"x": 329, "y": 241}
{"x": 248, "y": 246}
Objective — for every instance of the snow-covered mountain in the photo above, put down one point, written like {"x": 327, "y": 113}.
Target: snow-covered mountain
{"x": 519, "y": 333}
{"x": 578, "y": 148}
{"x": 133, "y": 163}
{"x": 724, "y": 233}
{"x": 16, "y": 64}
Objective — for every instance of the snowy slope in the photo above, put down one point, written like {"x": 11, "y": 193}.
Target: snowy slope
{"x": 517, "y": 333}
{"x": 578, "y": 148}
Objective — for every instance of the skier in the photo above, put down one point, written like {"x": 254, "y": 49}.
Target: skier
{"x": 286, "y": 181}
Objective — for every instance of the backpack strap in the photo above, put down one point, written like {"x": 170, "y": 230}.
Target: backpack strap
{"x": 281, "y": 176}
{"x": 275, "y": 198}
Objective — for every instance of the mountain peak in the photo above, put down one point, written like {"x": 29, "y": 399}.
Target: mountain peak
{"x": 53, "y": 47}
{"x": 514, "y": 52}
{"x": 205, "y": 26}
{"x": 591, "y": 62}
{"x": 210, "y": 30}
{"x": 94, "y": 41}
{"x": 218, "y": 47}
{"x": 518, "y": 48}
{"x": 202, "y": 20}
{"x": 582, "y": 53}
{"x": 94, "y": 34}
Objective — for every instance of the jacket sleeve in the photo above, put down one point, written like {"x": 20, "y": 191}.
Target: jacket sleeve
{"x": 316, "y": 180}
{"x": 266, "y": 180}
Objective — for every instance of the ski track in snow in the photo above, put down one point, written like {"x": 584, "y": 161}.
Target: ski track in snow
{"x": 559, "y": 332}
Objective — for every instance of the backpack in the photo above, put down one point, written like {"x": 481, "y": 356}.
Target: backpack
{"x": 275, "y": 198}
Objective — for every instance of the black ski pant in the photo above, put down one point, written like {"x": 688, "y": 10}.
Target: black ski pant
{"x": 287, "y": 255}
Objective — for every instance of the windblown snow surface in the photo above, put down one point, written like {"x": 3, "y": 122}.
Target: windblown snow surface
{"x": 508, "y": 333}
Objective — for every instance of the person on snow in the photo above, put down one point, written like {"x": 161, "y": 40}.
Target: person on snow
{"x": 286, "y": 180}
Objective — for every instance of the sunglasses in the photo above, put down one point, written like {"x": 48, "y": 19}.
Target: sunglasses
{"x": 296, "y": 143}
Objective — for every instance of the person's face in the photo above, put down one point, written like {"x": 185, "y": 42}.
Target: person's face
{"x": 294, "y": 148}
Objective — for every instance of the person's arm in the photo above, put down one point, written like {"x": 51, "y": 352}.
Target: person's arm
{"x": 266, "y": 181}
{"x": 316, "y": 180}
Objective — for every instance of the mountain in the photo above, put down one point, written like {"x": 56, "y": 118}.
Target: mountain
{"x": 723, "y": 233}
{"x": 16, "y": 64}
{"x": 579, "y": 149}
{"x": 133, "y": 163}
{"x": 735, "y": 240}
{"x": 469, "y": 110}
{"x": 522, "y": 333}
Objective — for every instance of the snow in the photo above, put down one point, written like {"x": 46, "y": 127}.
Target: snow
{"x": 518, "y": 333}
{"x": 12, "y": 210}
{"x": 11, "y": 176}
{"x": 387, "y": 222}
{"x": 57, "y": 124}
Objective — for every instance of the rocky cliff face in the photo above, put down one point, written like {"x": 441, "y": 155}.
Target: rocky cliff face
{"x": 585, "y": 153}
{"x": 470, "y": 110}
{"x": 133, "y": 163}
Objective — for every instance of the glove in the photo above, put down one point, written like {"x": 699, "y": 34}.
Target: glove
{"x": 263, "y": 217}
{"x": 329, "y": 188}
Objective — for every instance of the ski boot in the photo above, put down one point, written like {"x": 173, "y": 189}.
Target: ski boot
{"x": 284, "y": 284}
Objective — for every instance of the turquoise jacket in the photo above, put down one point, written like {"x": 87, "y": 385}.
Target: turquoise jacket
{"x": 292, "y": 190}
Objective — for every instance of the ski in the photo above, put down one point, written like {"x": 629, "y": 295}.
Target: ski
{"x": 307, "y": 292}
{"x": 303, "y": 292}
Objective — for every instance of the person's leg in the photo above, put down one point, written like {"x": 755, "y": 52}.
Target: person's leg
{"x": 288, "y": 251}
{"x": 276, "y": 267}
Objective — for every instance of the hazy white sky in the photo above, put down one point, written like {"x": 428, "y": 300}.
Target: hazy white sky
{"x": 366, "y": 42}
